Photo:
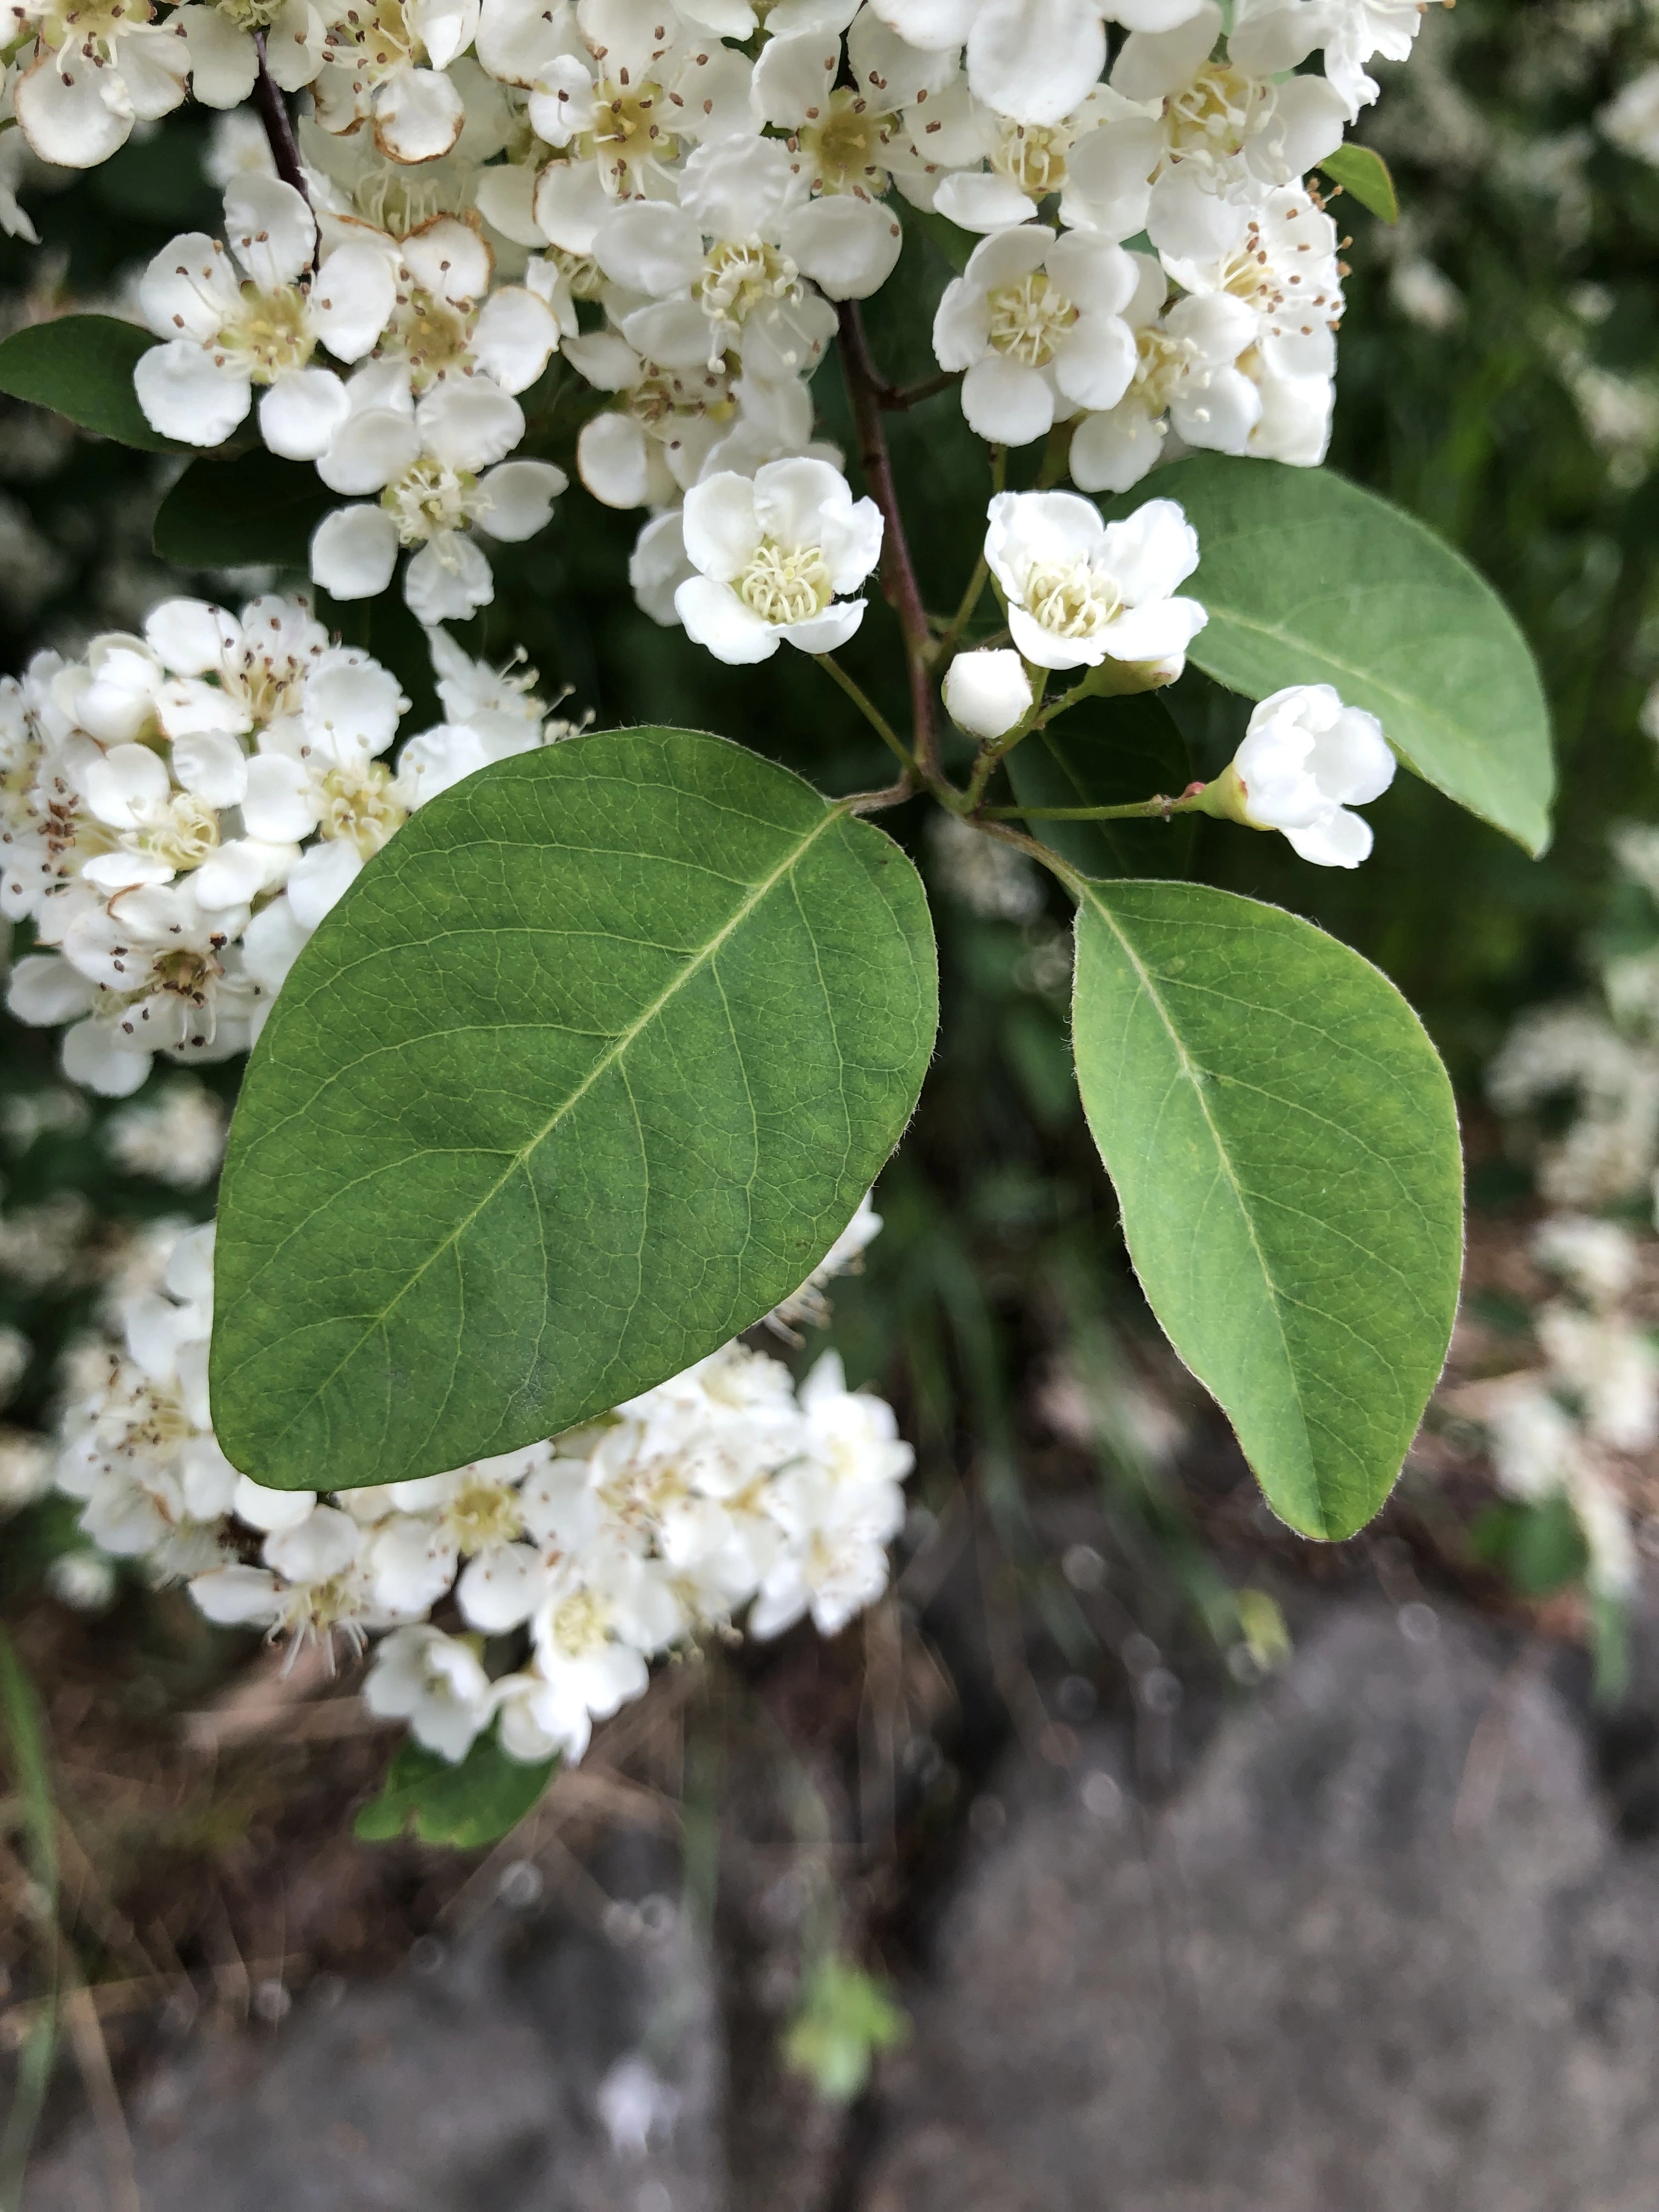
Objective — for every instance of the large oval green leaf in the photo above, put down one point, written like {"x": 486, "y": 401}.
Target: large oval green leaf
{"x": 1309, "y": 580}
{"x": 587, "y": 1070}
{"x": 1284, "y": 1143}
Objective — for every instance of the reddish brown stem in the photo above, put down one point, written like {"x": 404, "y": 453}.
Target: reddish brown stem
{"x": 865, "y": 386}
{"x": 279, "y": 123}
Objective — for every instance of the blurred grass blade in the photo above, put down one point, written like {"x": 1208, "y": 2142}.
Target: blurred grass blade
{"x": 27, "y": 1760}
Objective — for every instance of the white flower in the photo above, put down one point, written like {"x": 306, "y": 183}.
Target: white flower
{"x": 1306, "y": 758}
{"x": 436, "y": 1683}
{"x": 311, "y": 1584}
{"x": 1209, "y": 138}
{"x": 1037, "y": 320}
{"x": 1631, "y": 118}
{"x": 1081, "y": 590}
{"x": 249, "y": 316}
{"x": 771, "y": 556}
{"x": 387, "y": 66}
{"x": 1599, "y": 1259}
{"x": 1609, "y": 1364}
{"x": 97, "y": 70}
{"x": 224, "y": 62}
{"x": 431, "y": 463}
{"x": 988, "y": 693}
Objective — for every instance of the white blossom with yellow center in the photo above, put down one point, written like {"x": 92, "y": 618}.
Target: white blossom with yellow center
{"x": 771, "y": 553}
{"x": 1080, "y": 590}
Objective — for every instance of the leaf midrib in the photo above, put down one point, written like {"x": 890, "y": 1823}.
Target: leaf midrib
{"x": 832, "y": 816}
{"x": 1193, "y": 1076}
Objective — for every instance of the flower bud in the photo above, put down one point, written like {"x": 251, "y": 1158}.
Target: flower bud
{"x": 988, "y": 693}
{"x": 1306, "y": 758}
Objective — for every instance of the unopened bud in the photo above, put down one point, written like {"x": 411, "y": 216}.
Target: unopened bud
{"x": 987, "y": 694}
{"x": 1118, "y": 679}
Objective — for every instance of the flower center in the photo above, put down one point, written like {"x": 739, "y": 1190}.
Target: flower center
{"x": 1033, "y": 156}
{"x": 432, "y": 335}
{"x": 183, "y": 834}
{"x": 187, "y": 974}
{"x": 844, "y": 149}
{"x": 579, "y": 1626}
{"x": 664, "y": 399}
{"x": 251, "y": 15}
{"x": 1292, "y": 299}
{"x": 484, "y": 1514}
{"x": 581, "y": 272}
{"x": 377, "y": 40}
{"x": 785, "y": 584}
{"x": 358, "y": 805}
{"x": 1073, "y": 600}
{"x": 1029, "y": 319}
{"x": 429, "y": 496}
{"x": 89, "y": 26}
{"x": 1161, "y": 362}
{"x": 269, "y": 335}
{"x": 629, "y": 128}
{"x": 1215, "y": 113}
{"x": 737, "y": 278}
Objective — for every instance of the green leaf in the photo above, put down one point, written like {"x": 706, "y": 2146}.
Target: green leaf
{"x": 236, "y": 513}
{"x": 956, "y": 243}
{"x": 469, "y": 1804}
{"x": 1540, "y": 1547}
{"x": 1284, "y": 1148}
{"x": 846, "y": 2018}
{"x": 1365, "y": 175}
{"x": 1309, "y": 580}
{"x": 587, "y": 1070}
{"x": 1368, "y": 178}
{"x": 81, "y": 365}
{"x": 1107, "y": 753}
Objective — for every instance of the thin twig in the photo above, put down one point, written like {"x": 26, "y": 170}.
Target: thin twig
{"x": 872, "y": 713}
{"x": 897, "y": 398}
{"x": 279, "y": 124}
{"x": 865, "y": 384}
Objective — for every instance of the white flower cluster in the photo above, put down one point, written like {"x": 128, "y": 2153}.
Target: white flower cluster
{"x": 1563, "y": 1431}
{"x": 179, "y": 810}
{"x": 722, "y": 1489}
{"x": 674, "y": 198}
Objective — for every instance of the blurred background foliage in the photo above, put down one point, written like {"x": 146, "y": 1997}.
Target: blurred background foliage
{"x": 1496, "y": 379}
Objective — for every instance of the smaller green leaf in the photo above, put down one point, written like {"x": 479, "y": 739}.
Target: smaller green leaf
{"x": 1365, "y": 175}
{"x": 1540, "y": 1547}
{"x": 471, "y": 1803}
{"x": 81, "y": 365}
{"x": 1110, "y": 752}
{"x": 845, "y": 2018}
{"x": 234, "y": 514}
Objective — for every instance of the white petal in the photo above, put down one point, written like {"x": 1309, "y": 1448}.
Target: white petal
{"x": 270, "y": 229}
{"x": 505, "y": 197}
{"x": 521, "y": 495}
{"x": 1161, "y": 630}
{"x": 237, "y": 1597}
{"x": 714, "y": 615}
{"x": 513, "y": 338}
{"x": 301, "y": 412}
{"x": 470, "y": 424}
{"x": 447, "y": 256}
{"x": 352, "y": 298}
{"x": 1094, "y": 361}
{"x": 517, "y": 39}
{"x": 1044, "y": 650}
{"x": 722, "y": 529}
{"x": 1036, "y": 60}
{"x": 1113, "y": 452}
{"x": 153, "y": 63}
{"x": 92, "y": 1053}
{"x": 1107, "y": 187}
{"x": 184, "y": 397}
{"x": 793, "y": 78}
{"x": 278, "y": 806}
{"x": 444, "y": 28}
{"x": 978, "y": 199}
{"x": 324, "y": 875}
{"x": 370, "y": 448}
{"x": 570, "y": 204}
{"x": 222, "y": 62}
{"x": 612, "y": 461}
{"x": 738, "y": 188}
{"x": 1340, "y": 841}
{"x": 650, "y": 247}
{"x": 851, "y": 538}
{"x": 271, "y": 1510}
{"x": 1006, "y": 403}
{"x": 76, "y": 119}
{"x": 1150, "y": 551}
{"x": 125, "y": 784}
{"x": 190, "y": 636}
{"x": 1308, "y": 118}
{"x": 241, "y": 872}
{"x": 45, "y": 991}
{"x": 962, "y": 325}
{"x": 848, "y": 246}
{"x": 1155, "y": 62}
{"x": 827, "y": 632}
{"x": 418, "y": 114}
{"x": 272, "y": 942}
{"x": 448, "y": 579}
{"x": 351, "y": 704}
{"x": 892, "y": 72}
{"x": 211, "y": 764}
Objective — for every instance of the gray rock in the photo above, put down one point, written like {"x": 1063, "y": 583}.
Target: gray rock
{"x": 545, "y": 2064}
{"x": 1383, "y": 1954}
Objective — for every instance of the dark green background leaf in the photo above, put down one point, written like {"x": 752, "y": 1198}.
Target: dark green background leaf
{"x": 233, "y": 514}
{"x": 1108, "y": 752}
{"x": 81, "y": 366}
{"x": 1283, "y": 1143}
{"x": 469, "y": 1804}
{"x": 587, "y": 1070}
{"x": 1309, "y": 580}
